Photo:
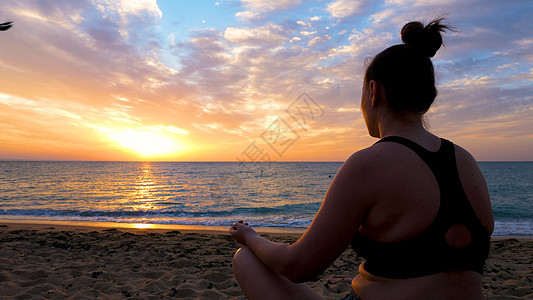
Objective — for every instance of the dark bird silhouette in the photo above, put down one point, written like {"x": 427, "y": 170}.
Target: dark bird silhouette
{"x": 5, "y": 26}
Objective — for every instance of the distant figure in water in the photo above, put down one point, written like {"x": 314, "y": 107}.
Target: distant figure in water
{"x": 5, "y": 26}
{"x": 414, "y": 205}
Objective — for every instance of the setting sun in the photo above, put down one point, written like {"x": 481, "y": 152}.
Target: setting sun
{"x": 148, "y": 142}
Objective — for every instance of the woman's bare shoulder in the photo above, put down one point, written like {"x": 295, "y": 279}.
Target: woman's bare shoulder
{"x": 361, "y": 171}
{"x": 474, "y": 186}
{"x": 461, "y": 154}
{"x": 373, "y": 165}
{"x": 383, "y": 155}
{"x": 375, "y": 153}
{"x": 468, "y": 168}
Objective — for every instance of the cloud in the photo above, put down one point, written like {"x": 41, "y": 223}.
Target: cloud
{"x": 344, "y": 8}
{"x": 423, "y": 3}
{"x": 147, "y": 10}
{"x": 266, "y": 35}
{"x": 306, "y": 33}
{"x": 319, "y": 40}
{"x": 257, "y": 9}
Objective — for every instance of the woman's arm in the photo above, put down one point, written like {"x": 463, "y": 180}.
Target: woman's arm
{"x": 271, "y": 253}
{"x": 347, "y": 201}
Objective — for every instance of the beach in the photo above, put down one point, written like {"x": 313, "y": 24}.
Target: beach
{"x": 81, "y": 262}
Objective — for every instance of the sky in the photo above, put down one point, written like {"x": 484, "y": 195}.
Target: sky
{"x": 248, "y": 80}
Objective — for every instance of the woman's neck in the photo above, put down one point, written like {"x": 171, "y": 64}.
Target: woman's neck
{"x": 408, "y": 124}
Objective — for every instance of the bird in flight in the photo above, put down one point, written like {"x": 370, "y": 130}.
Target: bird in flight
{"x": 5, "y": 26}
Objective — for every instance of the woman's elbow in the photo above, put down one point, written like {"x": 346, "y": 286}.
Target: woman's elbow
{"x": 297, "y": 271}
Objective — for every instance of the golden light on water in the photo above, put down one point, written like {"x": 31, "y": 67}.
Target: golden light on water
{"x": 142, "y": 226}
{"x": 145, "y": 188}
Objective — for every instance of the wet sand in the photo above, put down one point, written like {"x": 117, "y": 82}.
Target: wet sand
{"x": 78, "y": 261}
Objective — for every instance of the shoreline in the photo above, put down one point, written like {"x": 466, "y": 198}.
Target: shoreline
{"x": 139, "y": 227}
{"x": 163, "y": 228}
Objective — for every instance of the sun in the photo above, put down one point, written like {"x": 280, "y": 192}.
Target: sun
{"x": 149, "y": 142}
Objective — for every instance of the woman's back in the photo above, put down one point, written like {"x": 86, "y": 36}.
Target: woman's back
{"x": 408, "y": 192}
{"x": 400, "y": 233}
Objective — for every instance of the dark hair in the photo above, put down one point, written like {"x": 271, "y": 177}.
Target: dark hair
{"x": 406, "y": 70}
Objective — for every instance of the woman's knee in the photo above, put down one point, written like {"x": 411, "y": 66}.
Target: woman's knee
{"x": 240, "y": 257}
{"x": 242, "y": 263}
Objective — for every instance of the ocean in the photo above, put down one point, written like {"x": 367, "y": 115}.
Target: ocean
{"x": 279, "y": 194}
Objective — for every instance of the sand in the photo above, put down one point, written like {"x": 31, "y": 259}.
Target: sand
{"x": 79, "y": 262}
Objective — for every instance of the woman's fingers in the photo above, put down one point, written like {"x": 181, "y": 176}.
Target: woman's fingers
{"x": 240, "y": 222}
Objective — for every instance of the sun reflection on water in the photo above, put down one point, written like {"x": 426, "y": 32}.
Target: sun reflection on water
{"x": 145, "y": 188}
{"x": 142, "y": 226}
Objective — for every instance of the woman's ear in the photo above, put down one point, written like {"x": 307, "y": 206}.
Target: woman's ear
{"x": 372, "y": 87}
{"x": 376, "y": 92}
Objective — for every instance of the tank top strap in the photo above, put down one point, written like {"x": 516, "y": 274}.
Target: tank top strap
{"x": 443, "y": 166}
{"x": 419, "y": 150}
{"x": 441, "y": 162}
{"x": 426, "y": 155}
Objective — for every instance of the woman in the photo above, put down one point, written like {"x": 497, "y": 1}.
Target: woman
{"x": 415, "y": 206}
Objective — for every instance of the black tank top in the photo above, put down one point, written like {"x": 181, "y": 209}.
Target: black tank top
{"x": 429, "y": 253}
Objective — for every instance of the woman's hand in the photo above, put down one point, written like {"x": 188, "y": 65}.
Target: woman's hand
{"x": 240, "y": 231}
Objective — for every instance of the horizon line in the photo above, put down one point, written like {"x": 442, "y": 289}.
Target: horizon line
{"x": 207, "y": 161}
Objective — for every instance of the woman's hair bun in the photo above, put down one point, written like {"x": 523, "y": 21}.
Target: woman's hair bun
{"x": 424, "y": 39}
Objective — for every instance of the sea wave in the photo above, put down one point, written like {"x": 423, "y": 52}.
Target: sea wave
{"x": 277, "y": 194}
